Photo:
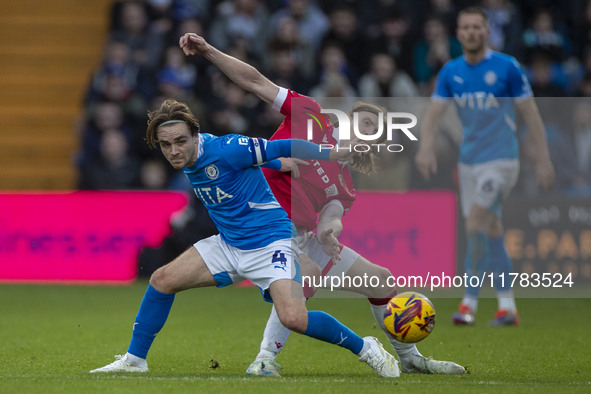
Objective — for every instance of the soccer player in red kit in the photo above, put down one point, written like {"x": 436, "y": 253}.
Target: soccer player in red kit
{"x": 316, "y": 200}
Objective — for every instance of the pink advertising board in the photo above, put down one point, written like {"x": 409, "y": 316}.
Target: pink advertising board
{"x": 81, "y": 236}
{"x": 412, "y": 233}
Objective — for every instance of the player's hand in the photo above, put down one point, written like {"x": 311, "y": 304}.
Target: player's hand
{"x": 341, "y": 154}
{"x": 290, "y": 164}
{"x": 545, "y": 173}
{"x": 330, "y": 244}
{"x": 193, "y": 44}
{"x": 426, "y": 162}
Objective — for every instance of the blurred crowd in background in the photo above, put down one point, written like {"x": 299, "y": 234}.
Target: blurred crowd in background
{"x": 328, "y": 48}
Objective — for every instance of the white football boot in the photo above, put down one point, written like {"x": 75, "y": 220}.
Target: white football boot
{"x": 124, "y": 364}
{"x": 264, "y": 367}
{"x": 418, "y": 364}
{"x": 379, "y": 359}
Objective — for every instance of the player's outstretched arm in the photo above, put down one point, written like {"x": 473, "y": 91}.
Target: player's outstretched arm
{"x": 329, "y": 228}
{"x": 425, "y": 159}
{"x": 243, "y": 74}
{"x": 544, "y": 167}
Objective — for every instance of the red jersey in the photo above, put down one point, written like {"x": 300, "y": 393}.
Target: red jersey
{"x": 319, "y": 182}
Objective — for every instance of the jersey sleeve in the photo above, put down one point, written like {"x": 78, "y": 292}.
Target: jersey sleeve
{"x": 284, "y": 102}
{"x": 519, "y": 86}
{"x": 297, "y": 109}
{"x": 442, "y": 92}
{"x": 243, "y": 152}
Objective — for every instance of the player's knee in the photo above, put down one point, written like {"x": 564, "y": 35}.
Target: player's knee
{"x": 293, "y": 319}
{"x": 159, "y": 280}
{"x": 383, "y": 289}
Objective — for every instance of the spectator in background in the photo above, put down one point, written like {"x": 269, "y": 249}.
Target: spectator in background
{"x": 335, "y": 74}
{"x": 153, "y": 175}
{"x": 190, "y": 9}
{"x": 584, "y": 88}
{"x": 546, "y": 78}
{"x": 115, "y": 88}
{"x": 288, "y": 37}
{"x": 133, "y": 28}
{"x": 160, "y": 16}
{"x": 175, "y": 63}
{"x": 505, "y": 26}
{"x": 312, "y": 22}
{"x": 385, "y": 80}
{"x": 241, "y": 23}
{"x": 284, "y": 68}
{"x": 583, "y": 31}
{"x": 430, "y": 54}
{"x": 114, "y": 168}
{"x": 333, "y": 85}
{"x": 345, "y": 31}
{"x": 106, "y": 116}
{"x": 394, "y": 38}
{"x": 372, "y": 13}
{"x": 173, "y": 84}
{"x": 116, "y": 59}
{"x": 543, "y": 34}
{"x": 446, "y": 9}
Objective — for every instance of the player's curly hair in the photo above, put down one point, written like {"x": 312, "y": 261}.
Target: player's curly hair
{"x": 169, "y": 110}
{"x": 365, "y": 163}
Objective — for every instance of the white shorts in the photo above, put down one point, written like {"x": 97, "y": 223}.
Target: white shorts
{"x": 487, "y": 184}
{"x": 262, "y": 266}
{"x": 307, "y": 243}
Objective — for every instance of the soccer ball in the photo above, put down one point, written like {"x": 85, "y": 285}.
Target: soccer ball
{"x": 409, "y": 317}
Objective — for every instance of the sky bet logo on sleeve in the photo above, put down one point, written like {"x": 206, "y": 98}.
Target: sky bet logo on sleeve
{"x": 401, "y": 121}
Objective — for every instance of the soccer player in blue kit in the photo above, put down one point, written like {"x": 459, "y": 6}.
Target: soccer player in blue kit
{"x": 254, "y": 241}
{"x": 486, "y": 87}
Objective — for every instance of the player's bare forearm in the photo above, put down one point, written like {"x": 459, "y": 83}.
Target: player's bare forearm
{"x": 241, "y": 73}
{"x": 330, "y": 219}
{"x": 429, "y": 123}
{"x": 535, "y": 125}
{"x": 544, "y": 168}
{"x": 425, "y": 159}
{"x": 244, "y": 75}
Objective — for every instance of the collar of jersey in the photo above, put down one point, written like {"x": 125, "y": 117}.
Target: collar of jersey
{"x": 199, "y": 153}
{"x": 487, "y": 55}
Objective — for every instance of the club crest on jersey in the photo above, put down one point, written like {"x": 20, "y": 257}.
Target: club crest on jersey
{"x": 212, "y": 171}
{"x": 490, "y": 78}
{"x": 332, "y": 190}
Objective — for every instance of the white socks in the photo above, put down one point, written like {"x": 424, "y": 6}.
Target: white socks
{"x": 274, "y": 337}
{"x": 506, "y": 300}
{"x": 471, "y": 302}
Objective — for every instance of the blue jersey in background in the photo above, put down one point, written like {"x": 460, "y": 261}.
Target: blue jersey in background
{"x": 484, "y": 95}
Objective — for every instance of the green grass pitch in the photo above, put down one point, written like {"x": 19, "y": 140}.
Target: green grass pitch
{"x": 51, "y": 336}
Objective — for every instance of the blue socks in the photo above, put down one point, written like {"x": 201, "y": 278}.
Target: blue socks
{"x": 149, "y": 321}
{"x": 326, "y": 328}
{"x": 501, "y": 263}
{"x": 477, "y": 259}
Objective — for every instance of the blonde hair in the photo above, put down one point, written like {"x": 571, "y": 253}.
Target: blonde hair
{"x": 170, "y": 110}
{"x": 365, "y": 163}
